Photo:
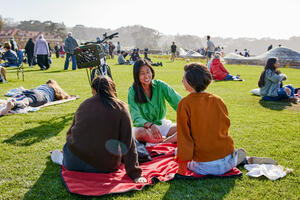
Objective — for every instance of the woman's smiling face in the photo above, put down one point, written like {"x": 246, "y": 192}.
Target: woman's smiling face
{"x": 145, "y": 75}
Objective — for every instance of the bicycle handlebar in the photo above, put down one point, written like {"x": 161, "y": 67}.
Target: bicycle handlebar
{"x": 105, "y": 38}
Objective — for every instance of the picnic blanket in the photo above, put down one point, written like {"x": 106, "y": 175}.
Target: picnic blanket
{"x": 161, "y": 168}
{"x": 33, "y": 109}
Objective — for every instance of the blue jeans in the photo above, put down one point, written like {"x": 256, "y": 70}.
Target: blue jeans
{"x": 73, "y": 163}
{"x": 216, "y": 167}
{"x": 7, "y": 64}
{"x": 68, "y": 60}
{"x": 281, "y": 94}
{"x": 230, "y": 77}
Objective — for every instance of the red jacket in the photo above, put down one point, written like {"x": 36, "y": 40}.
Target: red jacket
{"x": 217, "y": 70}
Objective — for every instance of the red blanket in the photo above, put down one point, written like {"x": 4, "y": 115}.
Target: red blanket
{"x": 161, "y": 168}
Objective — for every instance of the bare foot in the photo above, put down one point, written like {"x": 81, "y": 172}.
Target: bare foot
{"x": 9, "y": 106}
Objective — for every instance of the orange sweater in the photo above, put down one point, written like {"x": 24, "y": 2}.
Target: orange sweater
{"x": 202, "y": 129}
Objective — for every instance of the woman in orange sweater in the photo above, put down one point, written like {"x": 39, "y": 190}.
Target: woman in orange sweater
{"x": 204, "y": 143}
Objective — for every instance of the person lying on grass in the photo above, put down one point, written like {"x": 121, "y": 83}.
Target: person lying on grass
{"x": 146, "y": 99}
{"x": 203, "y": 141}
{"x": 219, "y": 72}
{"x": 270, "y": 83}
{"x": 100, "y": 136}
{"x": 38, "y": 96}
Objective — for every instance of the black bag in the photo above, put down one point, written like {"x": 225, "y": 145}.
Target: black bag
{"x": 143, "y": 154}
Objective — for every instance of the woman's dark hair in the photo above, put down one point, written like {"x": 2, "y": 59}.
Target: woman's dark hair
{"x": 197, "y": 76}
{"x": 106, "y": 89}
{"x": 137, "y": 86}
{"x": 271, "y": 66}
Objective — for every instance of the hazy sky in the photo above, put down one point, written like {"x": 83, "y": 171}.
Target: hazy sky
{"x": 226, "y": 18}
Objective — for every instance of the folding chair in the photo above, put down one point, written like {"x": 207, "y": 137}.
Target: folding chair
{"x": 19, "y": 65}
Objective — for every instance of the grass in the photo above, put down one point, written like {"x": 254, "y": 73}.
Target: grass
{"x": 263, "y": 128}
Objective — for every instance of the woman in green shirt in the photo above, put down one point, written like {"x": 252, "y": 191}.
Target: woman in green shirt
{"x": 146, "y": 99}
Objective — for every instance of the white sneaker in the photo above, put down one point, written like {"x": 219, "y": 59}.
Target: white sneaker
{"x": 57, "y": 157}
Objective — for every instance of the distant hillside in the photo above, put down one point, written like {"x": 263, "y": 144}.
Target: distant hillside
{"x": 138, "y": 36}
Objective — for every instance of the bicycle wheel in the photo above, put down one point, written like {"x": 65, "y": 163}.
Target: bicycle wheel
{"x": 95, "y": 72}
{"x": 109, "y": 72}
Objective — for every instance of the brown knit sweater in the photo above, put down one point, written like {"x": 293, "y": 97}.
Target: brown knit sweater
{"x": 102, "y": 137}
{"x": 202, "y": 128}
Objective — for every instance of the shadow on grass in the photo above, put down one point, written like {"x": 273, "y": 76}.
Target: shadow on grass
{"x": 275, "y": 105}
{"x": 205, "y": 188}
{"x": 49, "y": 184}
{"x": 58, "y": 71}
{"x": 45, "y": 130}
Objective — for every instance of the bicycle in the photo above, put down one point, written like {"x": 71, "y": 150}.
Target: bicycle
{"x": 91, "y": 55}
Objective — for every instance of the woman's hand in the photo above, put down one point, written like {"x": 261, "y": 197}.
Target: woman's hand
{"x": 155, "y": 132}
{"x": 140, "y": 180}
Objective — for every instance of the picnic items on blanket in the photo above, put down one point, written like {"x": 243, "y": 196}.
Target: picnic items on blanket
{"x": 161, "y": 168}
{"x": 272, "y": 172}
{"x": 143, "y": 154}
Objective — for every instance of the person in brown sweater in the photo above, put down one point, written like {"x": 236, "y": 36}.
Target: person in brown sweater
{"x": 100, "y": 136}
{"x": 203, "y": 141}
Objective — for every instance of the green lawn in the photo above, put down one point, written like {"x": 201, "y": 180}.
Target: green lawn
{"x": 262, "y": 128}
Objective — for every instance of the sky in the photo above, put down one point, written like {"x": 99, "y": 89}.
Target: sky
{"x": 277, "y": 19}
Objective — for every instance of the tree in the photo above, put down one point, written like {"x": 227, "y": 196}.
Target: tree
{"x": 1, "y": 23}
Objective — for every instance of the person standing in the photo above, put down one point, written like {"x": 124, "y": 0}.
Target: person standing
{"x": 119, "y": 47}
{"x": 173, "y": 51}
{"x": 41, "y": 51}
{"x": 29, "y": 51}
{"x": 209, "y": 49}
{"x": 57, "y": 49}
{"x": 70, "y": 45}
{"x": 14, "y": 45}
{"x": 111, "y": 50}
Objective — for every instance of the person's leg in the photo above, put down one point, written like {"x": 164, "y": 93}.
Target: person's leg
{"x": 228, "y": 77}
{"x": 3, "y": 74}
{"x": 40, "y": 61}
{"x": 145, "y": 135}
{"x": 73, "y": 163}
{"x": 216, "y": 167}
{"x": 35, "y": 98}
{"x": 74, "y": 63}
{"x": 46, "y": 61}
{"x": 67, "y": 61}
{"x": 171, "y": 135}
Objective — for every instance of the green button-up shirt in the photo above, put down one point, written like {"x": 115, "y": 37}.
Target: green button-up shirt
{"x": 153, "y": 110}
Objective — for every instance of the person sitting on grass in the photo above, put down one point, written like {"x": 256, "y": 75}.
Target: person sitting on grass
{"x": 10, "y": 56}
{"x": 121, "y": 58}
{"x": 134, "y": 56}
{"x": 147, "y": 58}
{"x": 100, "y": 136}
{"x": 146, "y": 99}
{"x": 203, "y": 141}
{"x": 270, "y": 83}
{"x": 38, "y": 96}
{"x": 219, "y": 72}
